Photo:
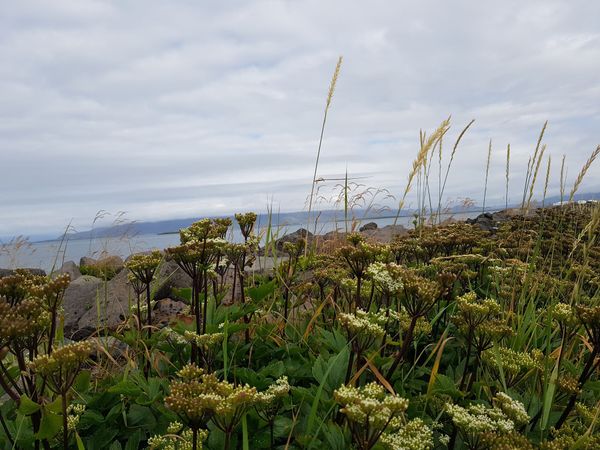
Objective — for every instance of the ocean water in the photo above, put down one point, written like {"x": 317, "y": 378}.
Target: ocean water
{"x": 51, "y": 254}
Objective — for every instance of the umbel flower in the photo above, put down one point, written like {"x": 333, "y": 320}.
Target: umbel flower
{"x": 370, "y": 412}
{"x": 143, "y": 267}
{"x": 177, "y": 438}
{"x": 515, "y": 365}
{"x": 201, "y": 397}
{"x": 478, "y": 421}
{"x": 62, "y": 366}
{"x": 415, "y": 435}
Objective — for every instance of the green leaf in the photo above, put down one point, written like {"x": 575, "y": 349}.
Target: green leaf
{"x": 28, "y": 406}
{"x": 82, "y": 381}
{"x": 133, "y": 443}
{"x": 141, "y": 416}
{"x": 126, "y": 388}
{"x": 116, "y": 445}
{"x": 80, "y": 445}
{"x": 55, "y": 406}
{"x": 50, "y": 426}
{"x": 262, "y": 291}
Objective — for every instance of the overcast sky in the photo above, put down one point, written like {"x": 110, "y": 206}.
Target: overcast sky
{"x": 169, "y": 109}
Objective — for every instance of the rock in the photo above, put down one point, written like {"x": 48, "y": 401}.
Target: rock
{"x": 166, "y": 309}
{"x": 86, "y": 261}
{"x": 8, "y": 272}
{"x": 294, "y": 237}
{"x": 68, "y": 267}
{"x": 113, "y": 297}
{"x": 80, "y": 298}
{"x": 385, "y": 234}
{"x": 168, "y": 277}
{"x": 112, "y": 262}
{"x": 368, "y": 226}
{"x": 490, "y": 221}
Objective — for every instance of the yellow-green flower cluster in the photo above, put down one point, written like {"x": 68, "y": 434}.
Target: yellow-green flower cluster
{"x": 364, "y": 323}
{"x": 144, "y": 265}
{"x": 204, "y": 340}
{"x": 246, "y": 222}
{"x": 276, "y": 391}
{"x": 74, "y": 413}
{"x": 64, "y": 359}
{"x": 513, "y": 409}
{"x": 476, "y": 419}
{"x": 415, "y": 435}
{"x": 383, "y": 279}
{"x": 564, "y": 314}
{"x": 200, "y": 397}
{"x": 176, "y": 440}
{"x": 22, "y": 320}
{"x": 369, "y": 405}
{"x": 510, "y": 360}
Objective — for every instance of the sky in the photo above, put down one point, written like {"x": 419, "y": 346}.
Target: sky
{"x": 174, "y": 109}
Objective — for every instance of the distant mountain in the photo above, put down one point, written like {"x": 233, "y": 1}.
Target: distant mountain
{"x": 298, "y": 218}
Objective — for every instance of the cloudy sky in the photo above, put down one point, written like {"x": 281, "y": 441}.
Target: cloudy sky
{"x": 169, "y": 109}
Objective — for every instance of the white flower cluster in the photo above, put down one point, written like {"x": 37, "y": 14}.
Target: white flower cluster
{"x": 370, "y": 405}
{"x": 380, "y": 274}
{"x": 363, "y": 322}
{"x": 74, "y": 413}
{"x": 277, "y": 390}
{"x": 514, "y": 409}
{"x": 477, "y": 419}
{"x": 415, "y": 435}
{"x": 172, "y": 441}
{"x": 204, "y": 340}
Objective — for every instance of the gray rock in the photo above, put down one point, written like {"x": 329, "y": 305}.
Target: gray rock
{"x": 368, "y": 226}
{"x": 80, "y": 298}
{"x": 68, "y": 267}
{"x": 87, "y": 261}
{"x": 168, "y": 277}
{"x": 114, "y": 298}
{"x": 294, "y": 237}
{"x": 166, "y": 309}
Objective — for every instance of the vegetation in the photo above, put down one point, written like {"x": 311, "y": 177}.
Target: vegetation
{"x": 447, "y": 337}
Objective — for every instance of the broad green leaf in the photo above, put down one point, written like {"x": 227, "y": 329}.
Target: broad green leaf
{"x": 50, "y": 426}
{"x": 28, "y": 406}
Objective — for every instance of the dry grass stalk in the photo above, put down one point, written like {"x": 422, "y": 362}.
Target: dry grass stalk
{"x": 562, "y": 179}
{"x": 507, "y": 174}
{"x": 583, "y": 171}
{"x": 487, "y": 172}
{"x": 535, "y": 174}
{"x": 547, "y": 179}
{"x": 421, "y": 159}
{"x": 334, "y": 79}
{"x": 533, "y": 161}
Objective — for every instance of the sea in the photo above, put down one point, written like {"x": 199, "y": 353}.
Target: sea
{"x": 51, "y": 254}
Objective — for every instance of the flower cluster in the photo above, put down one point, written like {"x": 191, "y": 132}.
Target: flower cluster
{"x": 513, "y": 409}
{"x": 415, "y": 435}
{"x": 275, "y": 392}
{"x": 64, "y": 359}
{"x": 176, "y": 439}
{"x": 200, "y": 397}
{"x": 74, "y": 413}
{"x": 370, "y": 412}
{"x": 383, "y": 279}
{"x": 364, "y": 323}
{"x": 204, "y": 340}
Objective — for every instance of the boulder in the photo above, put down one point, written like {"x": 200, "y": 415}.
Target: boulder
{"x": 86, "y": 261}
{"x": 113, "y": 298}
{"x": 68, "y": 267}
{"x": 294, "y": 237}
{"x": 368, "y": 227}
{"x": 80, "y": 298}
{"x": 168, "y": 277}
{"x": 166, "y": 309}
{"x": 490, "y": 221}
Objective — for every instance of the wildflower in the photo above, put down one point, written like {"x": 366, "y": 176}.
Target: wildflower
{"x": 74, "y": 413}
{"x": 274, "y": 392}
{"x": 513, "y": 409}
{"x": 415, "y": 435}
{"x": 204, "y": 340}
{"x": 246, "y": 223}
{"x": 370, "y": 412}
{"x": 177, "y": 440}
{"x": 515, "y": 365}
{"x": 380, "y": 274}
{"x": 62, "y": 366}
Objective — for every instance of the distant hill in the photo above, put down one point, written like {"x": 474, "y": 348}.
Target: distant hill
{"x": 298, "y": 218}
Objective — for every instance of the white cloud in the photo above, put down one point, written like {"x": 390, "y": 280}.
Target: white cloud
{"x": 172, "y": 109}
